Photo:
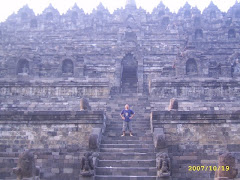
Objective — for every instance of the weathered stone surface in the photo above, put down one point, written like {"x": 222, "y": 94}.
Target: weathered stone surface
{"x": 173, "y": 104}
{"x": 26, "y": 167}
{"x": 163, "y": 165}
{"x": 84, "y": 105}
{"x": 87, "y": 166}
{"x": 227, "y": 161}
{"x": 49, "y": 61}
{"x": 159, "y": 138}
{"x": 95, "y": 138}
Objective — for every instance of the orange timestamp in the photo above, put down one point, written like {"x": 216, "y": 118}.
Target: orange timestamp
{"x": 208, "y": 168}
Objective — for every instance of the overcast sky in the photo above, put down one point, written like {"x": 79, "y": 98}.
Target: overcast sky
{"x": 7, "y": 7}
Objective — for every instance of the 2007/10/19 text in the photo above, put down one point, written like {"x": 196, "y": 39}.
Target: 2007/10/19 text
{"x": 208, "y": 168}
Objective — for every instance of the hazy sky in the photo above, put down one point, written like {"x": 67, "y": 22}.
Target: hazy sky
{"x": 7, "y": 7}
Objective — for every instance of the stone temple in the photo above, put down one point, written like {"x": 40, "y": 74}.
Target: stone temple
{"x": 64, "y": 80}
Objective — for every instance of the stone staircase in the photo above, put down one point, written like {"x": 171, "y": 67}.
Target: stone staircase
{"x": 127, "y": 157}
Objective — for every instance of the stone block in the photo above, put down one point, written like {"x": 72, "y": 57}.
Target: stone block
{"x": 95, "y": 138}
{"x": 159, "y": 138}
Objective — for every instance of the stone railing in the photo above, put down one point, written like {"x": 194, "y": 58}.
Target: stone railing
{"x": 52, "y": 117}
{"x": 50, "y": 88}
{"x": 192, "y": 117}
{"x": 204, "y": 89}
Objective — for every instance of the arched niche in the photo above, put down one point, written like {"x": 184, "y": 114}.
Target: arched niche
{"x": 161, "y": 13}
{"x": 213, "y": 14}
{"x": 23, "y": 66}
{"x": 198, "y": 34}
{"x": 235, "y": 59}
{"x": 34, "y": 23}
{"x": 231, "y": 34}
{"x": 165, "y": 21}
{"x": 130, "y": 35}
{"x": 191, "y": 67}
{"x": 67, "y": 67}
{"x": 187, "y": 14}
{"x": 197, "y": 21}
{"x": 49, "y": 16}
{"x": 214, "y": 69}
{"x": 130, "y": 20}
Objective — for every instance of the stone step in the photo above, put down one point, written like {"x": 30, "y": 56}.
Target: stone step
{"x": 136, "y": 129}
{"x": 127, "y": 137}
{"x": 135, "y": 134}
{"x": 126, "y": 146}
{"x": 120, "y": 121}
{"x": 140, "y": 150}
{"x": 101, "y": 177}
{"x": 125, "y": 142}
{"x": 127, "y": 163}
{"x": 127, "y": 171}
{"x": 126, "y": 156}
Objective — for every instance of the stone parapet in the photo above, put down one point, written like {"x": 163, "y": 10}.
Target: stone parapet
{"x": 193, "y": 89}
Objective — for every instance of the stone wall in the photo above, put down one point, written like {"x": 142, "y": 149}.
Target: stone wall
{"x": 52, "y": 95}
{"x": 197, "y": 138}
{"x": 58, "y": 140}
{"x": 79, "y": 45}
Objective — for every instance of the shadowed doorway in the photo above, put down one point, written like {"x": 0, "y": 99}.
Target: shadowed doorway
{"x": 129, "y": 80}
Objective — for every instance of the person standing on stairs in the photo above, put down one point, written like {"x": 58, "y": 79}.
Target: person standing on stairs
{"x": 127, "y": 114}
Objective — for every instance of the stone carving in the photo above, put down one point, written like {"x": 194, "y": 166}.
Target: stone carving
{"x": 67, "y": 66}
{"x": 173, "y": 104}
{"x": 165, "y": 21}
{"x": 26, "y": 167}
{"x": 197, "y": 21}
{"x": 231, "y": 34}
{"x": 227, "y": 161}
{"x": 87, "y": 165}
{"x": 23, "y": 67}
{"x": 95, "y": 138}
{"x": 236, "y": 67}
{"x": 187, "y": 14}
{"x": 93, "y": 141}
{"x": 24, "y": 16}
{"x": 159, "y": 138}
{"x": 84, "y": 105}
{"x": 191, "y": 67}
{"x": 74, "y": 17}
{"x": 163, "y": 165}
{"x": 130, "y": 35}
{"x": 198, "y": 34}
{"x": 214, "y": 69}
{"x": 213, "y": 14}
{"x": 33, "y": 23}
{"x": 49, "y": 16}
